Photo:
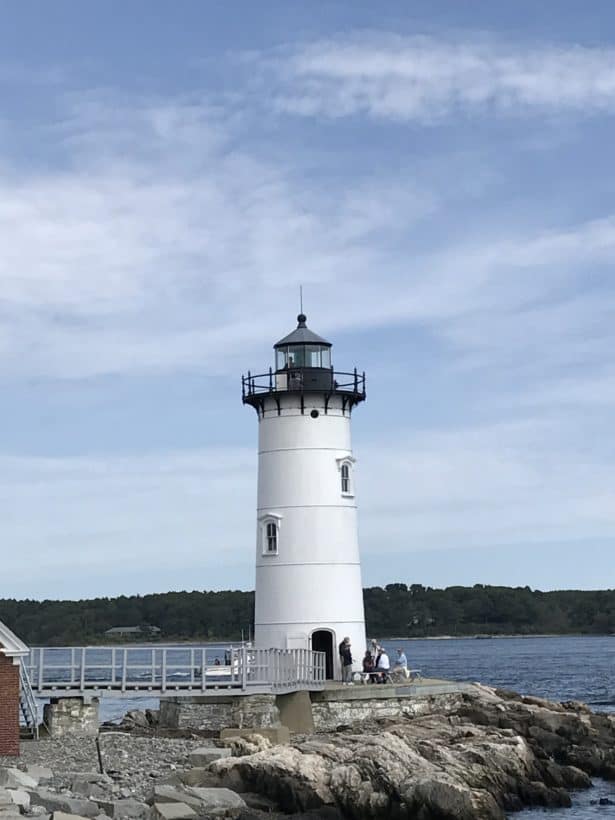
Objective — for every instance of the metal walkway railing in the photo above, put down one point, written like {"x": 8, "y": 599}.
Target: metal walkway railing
{"x": 159, "y": 670}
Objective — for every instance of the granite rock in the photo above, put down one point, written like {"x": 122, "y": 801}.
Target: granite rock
{"x": 205, "y": 755}
{"x": 474, "y": 754}
{"x": 55, "y": 802}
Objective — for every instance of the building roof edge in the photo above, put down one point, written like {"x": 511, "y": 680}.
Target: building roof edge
{"x": 10, "y": 644}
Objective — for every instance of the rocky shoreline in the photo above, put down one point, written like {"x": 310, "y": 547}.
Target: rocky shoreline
{"x": 478, "y": 754}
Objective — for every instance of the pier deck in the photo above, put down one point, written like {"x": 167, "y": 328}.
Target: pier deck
{"x": 154, "y": 671}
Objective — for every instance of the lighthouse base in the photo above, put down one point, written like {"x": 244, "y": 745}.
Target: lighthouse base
{"x": 318, "y": 638}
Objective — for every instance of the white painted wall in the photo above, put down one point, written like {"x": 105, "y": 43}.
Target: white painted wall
{"x": 314, "y": 582}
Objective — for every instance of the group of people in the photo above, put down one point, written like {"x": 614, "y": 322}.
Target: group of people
{"x": 376, "y": 663}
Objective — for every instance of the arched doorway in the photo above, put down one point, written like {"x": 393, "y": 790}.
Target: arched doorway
{"x": 322, "y": 641}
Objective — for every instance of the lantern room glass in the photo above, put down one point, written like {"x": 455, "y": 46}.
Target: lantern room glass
{"x": 303, "y": 356}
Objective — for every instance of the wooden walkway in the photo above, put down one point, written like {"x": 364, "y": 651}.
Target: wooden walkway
{"x": 154, "y": 671}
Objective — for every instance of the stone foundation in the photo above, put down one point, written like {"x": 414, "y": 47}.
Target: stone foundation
{"x": 344, "y": 706}
{"x": 220, "y": 712}
{"x": 71, "y": 716}
{"x": 305, "y": 712}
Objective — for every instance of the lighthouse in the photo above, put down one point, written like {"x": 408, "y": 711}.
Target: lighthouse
{"x": 309, "y": 593}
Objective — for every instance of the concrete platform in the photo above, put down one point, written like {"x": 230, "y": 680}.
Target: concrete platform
{"x": 419, "y": 687}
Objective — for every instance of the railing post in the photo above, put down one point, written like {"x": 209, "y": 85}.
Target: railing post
{"x": 244, "y": 668}
{"x": 203, "y": 669}
{"x": 270, "y": 380}
{"x": 153, "y": 667}
{"x": 113, "y": 666}
{"x": 72, "y": 666}
{"x": 124, "y": 668}
{"x": 41, "y": 653}
{"x": 163, "y": 682}
{"x": 82, "y": 671}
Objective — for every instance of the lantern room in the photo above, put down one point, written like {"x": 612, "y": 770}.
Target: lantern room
{"x": 303, "y": 365}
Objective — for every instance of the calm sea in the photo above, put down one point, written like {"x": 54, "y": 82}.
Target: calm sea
{"x": 580, "y": 668}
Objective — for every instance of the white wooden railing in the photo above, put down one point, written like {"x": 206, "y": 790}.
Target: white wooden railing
{"x": 62, "y": 671}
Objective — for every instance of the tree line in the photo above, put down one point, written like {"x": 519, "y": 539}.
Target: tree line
{"x": 396, "y": 610}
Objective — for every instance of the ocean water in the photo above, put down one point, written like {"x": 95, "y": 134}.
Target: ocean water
{"x": 577, "y": 668}
{"x": 567, "y": 668}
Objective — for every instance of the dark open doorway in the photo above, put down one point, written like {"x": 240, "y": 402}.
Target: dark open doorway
{"x": 322, "y": 641}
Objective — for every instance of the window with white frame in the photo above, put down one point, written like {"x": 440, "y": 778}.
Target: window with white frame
{"x": 344, "y": 465}
{"x": 270, "y": 533}
{"x": 345, "y": 472}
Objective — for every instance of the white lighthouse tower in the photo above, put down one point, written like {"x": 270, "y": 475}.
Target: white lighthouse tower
{"x": 308, "y": 573}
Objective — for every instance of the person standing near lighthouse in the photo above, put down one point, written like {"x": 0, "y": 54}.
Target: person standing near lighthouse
{"x": 309, "y": 593}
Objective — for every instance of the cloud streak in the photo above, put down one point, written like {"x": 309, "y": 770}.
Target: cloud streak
{"x": 426, "y": 79}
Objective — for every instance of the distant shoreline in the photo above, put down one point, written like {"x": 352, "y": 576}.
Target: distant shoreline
{"x": 485, "y": 637}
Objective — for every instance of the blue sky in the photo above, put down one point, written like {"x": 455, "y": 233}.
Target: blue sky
{"x": 438, "y": 175}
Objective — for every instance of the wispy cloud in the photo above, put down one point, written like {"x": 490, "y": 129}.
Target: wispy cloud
{"x": 162, "y": 236}
{"x": 420, "y": 78}
{"x": 158, "y": 240}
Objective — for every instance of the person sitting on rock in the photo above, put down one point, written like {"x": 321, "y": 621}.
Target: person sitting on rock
{"x": 368, "y": 667}
{"x": 401, "y": 664}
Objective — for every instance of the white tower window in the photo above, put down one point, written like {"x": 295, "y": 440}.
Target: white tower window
{"x": 272, "y": 537}
{"x": 345, "y": 479}
{"x": 270, "y": 534}
{"x": 345, "y": 468}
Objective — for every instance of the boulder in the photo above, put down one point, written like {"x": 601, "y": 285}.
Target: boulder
{"x": 84, "y": 787}
{"x": 61, "y": 815}
{"x": 260, "y": 802}
{"x": 12, "y": 778}
{"x": 5, "y": 798}
{"x": 127, "y": 808}
{"x": 42, "y": 774}
{"x": 205, "y": 755}
{"x": 54, "y": 802}
{"x": 173, "y": 794}
{"x": 20, "y": 798}
{"x": 153, "y": 716}
{"x": 204, "y": 801}
{"x": 136, "y": 718}
{"x": 197, "y": 776}
{"x": 172, "y": 811}
{"x": 273, "y": 734}
{"x": 219, "y": 802}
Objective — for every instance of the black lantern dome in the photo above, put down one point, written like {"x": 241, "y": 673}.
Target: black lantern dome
{"x": 302, "y": 348}
{"x": 303, "y": 365}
